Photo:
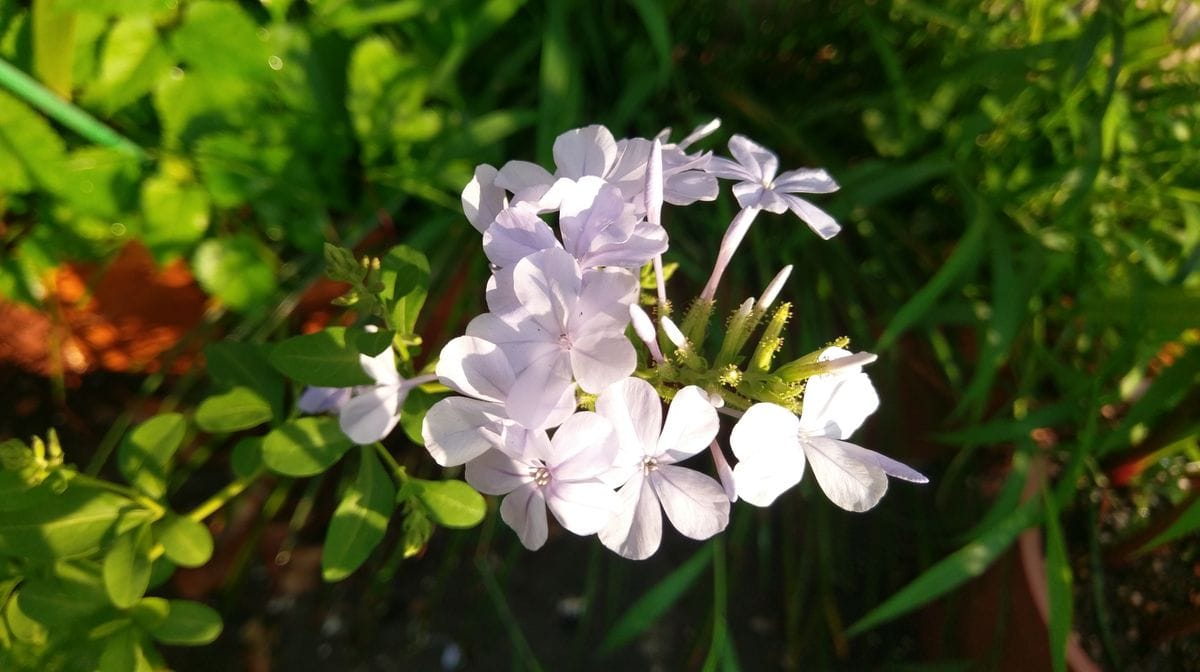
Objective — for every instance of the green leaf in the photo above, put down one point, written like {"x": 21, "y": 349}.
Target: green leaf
{"x": 207, "y": 23}
{"x": 361, "y": 519}
{"x": 69, "y": 525}
{"x": 412, "y": 415}
{"x": 131, "y": 61}
{"x": 176, "y": 215}
{"x": 69, "y": 594}
{"x": 186, "y": 623}
{"x": 235, "y": 364}
{"x": 327, "y": 358}
{"x": 651, "y": 606}
{"x": 405, "y": 277}
{"x": 1058, "y": 585}
{"x": 247, "y": 457}
{"x": 239, "y": 408}
{"x": 31, "y": 152}
{"x": 123, "y": 653}
{"x": 17, "y": 494}
{"x": 144, "y": 456}
{"x": 237, "y": 270}
{"x": 950, "y": 572}
{"x": 24, "y": 628}
{"x": 186, "y": 542}
{"x": 965, "y": 256}
{"x": 450, "y": 503}
{"x": 126, "y": 567}
{"x": 305, "y": 446}
{"x": 371, "y": 343}
{"x": 1187, "y": 523}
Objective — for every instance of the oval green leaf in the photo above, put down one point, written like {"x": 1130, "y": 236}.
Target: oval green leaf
{"x": 234, "y": 410}
{"x": 185, "y": 542}
{"x": 145, "y": 454}
{"x": 361, "y": 519}
{"x": 186, "y": 623}
{"x": 69, "y": 525}
{"x": 327, "y": 358}
{"x": 235, "y": 364}
{"x": 123, "y": 653}
{"x": 126, "y": 567}
{"x": 451, "y": 504}
{"x": 304, "y": 446}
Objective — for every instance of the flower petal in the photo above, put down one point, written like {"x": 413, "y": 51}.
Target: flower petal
{"x": 759, "y": 161}
{"x": 847, "y": 481}
{"x": 604, "y": 300}
{"x": 495, "y": 473}
{"x": 477, "y": 368}
{"x": 599, "y": 360}
{"x": 836, "y": 404}
{"x": 805, "y": 181}
{"x": 691, "y": 425}
{"x": 524, "y": 510}
{"x": 323, "y": 399}
{"x": 518, "y": 176}
{"x": 582, "y": 448}
{"x": 583, "y": 507}
{"x": 770, "y": 460}
{"x": 762, "y": 479}
{"x": 817, "y": 219}
{"x": 537, "y": 393}
{"x": 888, "y": 465}
{"x": 548, "y": 283}
{"x": 694, "y": 503}
{"x": 729, "y": 170}
{"x": 457, "y": 429}
{"x": 762, "y": 430}
{"x": 635, "y": 411}
{"x": 522, "y": 340}
{"x": 372, "y": 415}
{"x": 635, "y": 532}
{"x": 482, "y": 200}
{"x": 590, "y": 150}
{"x": 517, "y": 233}
{"x": 689, "y": 186}
{"x": 381, "y": 368}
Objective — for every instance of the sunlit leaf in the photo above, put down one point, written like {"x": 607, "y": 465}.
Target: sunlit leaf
{"x": 237, "y": 270}
{"x": 144, "y": 456}
{"x": 327, "y": 358}
{"x": 449, "y": 503}
{"x": 304, "y": 446}
{"x": 126, "y": 567}
{"x": 186, "y": 623}
{"x": 186, "y": 542}
{"x": 69, "y": 525}
{"x": 236, "y": 409}
{"x": 361, "y": 519}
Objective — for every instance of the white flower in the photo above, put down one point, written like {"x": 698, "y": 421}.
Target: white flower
{"x": 372, "y": 413}
{"x": 561, "y": 474}
{"x": 482, "y": 200}
{"x": 771, "y": 444}
{"x": 590, "y": 150}
{"x": 459, "y": 429}
{"x": 569, "y": 326}
{"x": 694, "y": 503}
{"x": 760, "y": 187}
{"x": 684, "y": 178}
{"x": 324, "y": 399}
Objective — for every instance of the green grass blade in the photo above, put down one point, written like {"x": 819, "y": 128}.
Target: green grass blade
{"x": 1187, "y": 523}
{"x": 656, "y": 601}
{"x": 1058, "y": 582}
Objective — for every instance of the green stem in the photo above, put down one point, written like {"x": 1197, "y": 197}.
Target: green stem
{"x": 28, "y": 89}
{"x": 127, "y": 492}
{"x": 398, "y": 472}
{"x": 223, "y": 496}
{"x": 716, "y": 652}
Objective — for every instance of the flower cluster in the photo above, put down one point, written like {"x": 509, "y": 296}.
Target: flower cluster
{"x": 554, "y": 411}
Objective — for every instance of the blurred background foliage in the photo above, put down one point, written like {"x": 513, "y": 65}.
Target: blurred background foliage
{"x": 1021, "y": 194}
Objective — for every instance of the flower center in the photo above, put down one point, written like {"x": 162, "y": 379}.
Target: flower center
{"x": 541, "y": 476}
{"x": 649, "y": 464}
{"x": 564, "y": 341}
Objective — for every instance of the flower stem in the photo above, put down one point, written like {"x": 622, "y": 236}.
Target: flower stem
{"x": 148, "y": 503}
{"x": 223, "y": 496}
{"x": 398, "y": 472}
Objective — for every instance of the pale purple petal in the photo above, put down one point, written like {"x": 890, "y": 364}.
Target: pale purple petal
{"x": 517, "y": 233}
{"x": 582, "y": 507}
{"x": 699, "y": 133}
{"x": 548, "y": 284}
{"x": 836, "y": 404}
{"x": 522, "y": 340}
{"x": 691, "y": 425}
{"x": 690, "y": 186}
{"x": 524, "y": 510}
{"x": 646, "y": 242}
{"x": 475, "y": 367}
{"x": 590, "y": 150}
{"x": 604, "y": 301}
{"x": 817, "y": 219}
{"x": 372, "y": 415}
{"x": 495, "y": 473}
{"x": 499, "y": 292}
{"x": 482, "y": 200}
{"x": 694, "y": 503}
{"x": 323, "y": 399}
{"x": 759, "y": 161}
{"x": 582, "y": 448}
{"x": 628, "y": 172}
{"x": 381, "y": 368}
{"x": 539, "y": 389}
{"x": 805, "y": 181}
{"x": 635, "y": 532}
{"x": 635, "y": 411}
{"x": 888, "y": 465}
{"x": 457, "y": 429}
{"x": 517, "y": 176}
{"x": 729, "y": 170}
{"x": 754, "y": 195}
{"x": 599, "y": 360}
{"x": 724, "y": 471}
{"x": 654, "y": 185}
{"x": 531, "y": 446}
{"x": 852, "y": 484}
